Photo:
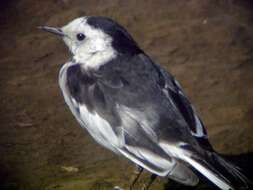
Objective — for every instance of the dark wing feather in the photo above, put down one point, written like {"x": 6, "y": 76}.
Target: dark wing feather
{"x": 174, "y": 91}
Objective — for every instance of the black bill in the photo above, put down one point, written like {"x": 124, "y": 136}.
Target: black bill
{"x": 52, "y": 30}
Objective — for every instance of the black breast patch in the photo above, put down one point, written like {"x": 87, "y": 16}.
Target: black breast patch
{"x": 86, "y": 89}
{"x": 80, "y": 85}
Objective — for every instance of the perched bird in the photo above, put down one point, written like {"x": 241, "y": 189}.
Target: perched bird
{"x": 134, "y": 107}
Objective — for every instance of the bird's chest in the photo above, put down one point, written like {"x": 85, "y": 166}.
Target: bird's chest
{"x": 78, "y": 90}
{"x": 80, "y": 85}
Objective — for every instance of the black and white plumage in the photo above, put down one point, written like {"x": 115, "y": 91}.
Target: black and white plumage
{"x": 134, "y": 107}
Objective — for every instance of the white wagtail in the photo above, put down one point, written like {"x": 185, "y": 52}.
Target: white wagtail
{"x": 134, "y": 107}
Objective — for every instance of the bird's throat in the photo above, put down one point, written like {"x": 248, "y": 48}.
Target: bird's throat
{"x": 93, "y": 60}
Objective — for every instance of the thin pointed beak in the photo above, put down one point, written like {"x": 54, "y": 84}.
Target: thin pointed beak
{"x": 52, "y": 30}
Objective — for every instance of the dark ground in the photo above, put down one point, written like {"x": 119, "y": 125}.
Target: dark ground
{"x": 206, "y": 44}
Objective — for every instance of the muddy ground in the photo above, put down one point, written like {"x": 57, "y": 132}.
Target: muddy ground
{"x": 206, "y": 44}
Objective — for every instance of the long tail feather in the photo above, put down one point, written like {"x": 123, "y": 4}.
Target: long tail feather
{"x": 219, "y": 171}
{"x": 237, "y": 177}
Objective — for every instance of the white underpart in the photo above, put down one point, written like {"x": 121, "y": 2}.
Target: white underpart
{"x": 185, "y": 155}
{"x": 95, "y": 50}
{"x": 99, "y": 129}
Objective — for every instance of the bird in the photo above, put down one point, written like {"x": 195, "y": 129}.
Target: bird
{"x": 134, "y": 107}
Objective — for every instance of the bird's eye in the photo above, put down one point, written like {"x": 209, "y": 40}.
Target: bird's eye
{"x": 80, "y": 36}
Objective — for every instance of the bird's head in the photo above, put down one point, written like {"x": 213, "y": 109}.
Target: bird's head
{"x": 95, "y": 39}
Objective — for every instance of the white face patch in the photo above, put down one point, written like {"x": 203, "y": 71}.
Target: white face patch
{"x": 92, "y": 52}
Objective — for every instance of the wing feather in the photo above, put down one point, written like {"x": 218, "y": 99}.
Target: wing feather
{"x": 174, "y": 92}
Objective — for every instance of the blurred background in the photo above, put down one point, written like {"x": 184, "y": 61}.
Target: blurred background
{"x": 206, "y": 44}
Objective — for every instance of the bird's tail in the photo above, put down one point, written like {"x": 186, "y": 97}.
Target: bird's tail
{"x": 219, "y": 171}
